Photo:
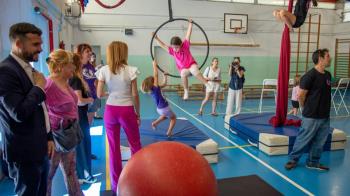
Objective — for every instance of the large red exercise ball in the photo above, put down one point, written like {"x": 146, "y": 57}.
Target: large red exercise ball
{"x": 167, "y": 169}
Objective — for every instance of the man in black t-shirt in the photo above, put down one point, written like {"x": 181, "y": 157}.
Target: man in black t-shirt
{"x": 315, "y": 99}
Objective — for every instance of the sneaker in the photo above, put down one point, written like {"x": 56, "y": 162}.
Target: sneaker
{"x": 290, "y": 165}
{"x": 317, "y": 166}
{"x": 214, "y": 114}
{"x": 90, "y": 180}
{"x": 98, "y": 117}
{"x": 185, "y": 95}
{"x": 81, "y": 181}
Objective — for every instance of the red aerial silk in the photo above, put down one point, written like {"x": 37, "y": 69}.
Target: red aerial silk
{"x": 283, "y": 81}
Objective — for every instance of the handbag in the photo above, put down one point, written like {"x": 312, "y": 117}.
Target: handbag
{"x": 66, "y": 139}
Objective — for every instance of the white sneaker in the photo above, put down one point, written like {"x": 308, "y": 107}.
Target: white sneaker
{"x": 89, "y": 180}
{"x": 185, "y": 95}
{"x": 81, "y": 181}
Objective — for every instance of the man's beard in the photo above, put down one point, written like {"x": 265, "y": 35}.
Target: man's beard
{"x": 30, "y": 57}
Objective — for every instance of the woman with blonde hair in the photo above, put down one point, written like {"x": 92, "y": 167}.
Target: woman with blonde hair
{"x": 122, "y": 106}
{"x": 61, "y": 102}
{"x": 81, "y": 89}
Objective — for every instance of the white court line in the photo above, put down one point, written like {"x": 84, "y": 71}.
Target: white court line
{"x": 248, "y": 153}
{"x": 266, "y": 106}
{"x": 222, "y": 113}
{"x": 335, "y": 117}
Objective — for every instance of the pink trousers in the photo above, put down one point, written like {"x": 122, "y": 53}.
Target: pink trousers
{"x": 114, "y": 118}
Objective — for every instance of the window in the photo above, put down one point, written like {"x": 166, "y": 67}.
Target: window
{"x": 326, "y": 5}
{"x": 235, "y": 1}
{"x": 273, "y": 2}
{"x": 323, "y": 5}
{"x": 347, "y": 12}
{"x": 243, "y": 1}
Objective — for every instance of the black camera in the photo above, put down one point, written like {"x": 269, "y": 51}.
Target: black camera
{"x": 235, "y": 64}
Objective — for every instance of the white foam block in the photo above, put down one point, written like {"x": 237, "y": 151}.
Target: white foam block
{"x": 338, "y": 140}
{"x": 272, "y": 144}
{"x": 212, "y": 158}
{"x": 273, "y": 139}
{"x": 208, "y": 146}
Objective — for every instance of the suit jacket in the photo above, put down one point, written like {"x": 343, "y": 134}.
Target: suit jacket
{"x": 22, "y": 120}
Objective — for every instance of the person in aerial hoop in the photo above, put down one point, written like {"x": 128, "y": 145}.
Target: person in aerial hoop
{"x": 185, "y": 62}
{"x": 296, "y": 19}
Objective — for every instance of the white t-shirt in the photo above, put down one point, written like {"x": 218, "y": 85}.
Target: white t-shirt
{"x": 295, "y": 93}
{"x": 211, "y": 74}
{"x": 119, "y": 85}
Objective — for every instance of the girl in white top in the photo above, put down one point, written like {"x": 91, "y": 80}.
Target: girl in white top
{"x": 123, "y": 105}
{"x": 295, "y": 96}
{"x": 213, "y": 75}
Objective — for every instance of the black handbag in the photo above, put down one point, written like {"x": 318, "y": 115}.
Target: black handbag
{"x": 66, "y": 139}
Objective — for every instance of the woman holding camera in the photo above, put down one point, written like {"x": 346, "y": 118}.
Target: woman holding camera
{"x": 236, "y": 71}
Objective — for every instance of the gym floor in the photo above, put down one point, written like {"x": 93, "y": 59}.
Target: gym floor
{"x": 236, "y": 157}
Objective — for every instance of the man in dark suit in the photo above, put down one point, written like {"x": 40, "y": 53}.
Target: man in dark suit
{"x": 23, "y": 116}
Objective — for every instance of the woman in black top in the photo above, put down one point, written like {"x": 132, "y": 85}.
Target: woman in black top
{"x": 83, "y": 150}
{"x": 296, "y": 19}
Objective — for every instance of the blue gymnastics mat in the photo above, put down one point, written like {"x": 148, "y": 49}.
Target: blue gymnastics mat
{"x": 184, "y": 132}
{"x": 256, "y": 130}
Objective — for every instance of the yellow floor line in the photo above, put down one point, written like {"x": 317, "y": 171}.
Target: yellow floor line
{"x": 108, "y": 182}
{"x": 231, "y": 147}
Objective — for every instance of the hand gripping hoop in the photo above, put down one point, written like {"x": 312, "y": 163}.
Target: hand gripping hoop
{"x": 172, "y": 20}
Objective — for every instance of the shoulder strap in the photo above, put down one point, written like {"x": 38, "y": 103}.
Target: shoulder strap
{"x": 208, "y": 71}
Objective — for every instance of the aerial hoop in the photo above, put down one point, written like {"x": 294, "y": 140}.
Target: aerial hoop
{"x": 172, "y": 20}
{"x": 119, "y": 2}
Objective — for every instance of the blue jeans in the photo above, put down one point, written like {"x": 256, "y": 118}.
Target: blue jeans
{"x": 83, "y": 150}
{"x": 313, "y": 133}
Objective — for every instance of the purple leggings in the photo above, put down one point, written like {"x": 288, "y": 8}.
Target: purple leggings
{"x": 114, "y": 118}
